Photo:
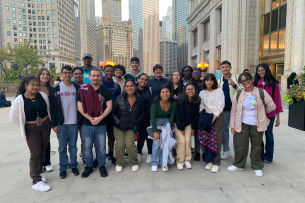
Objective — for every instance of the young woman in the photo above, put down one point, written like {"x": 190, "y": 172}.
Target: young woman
{"x": 187, "y": 72}
{"x": 212, "y": 101}
{"x": 127, "y": 113}
{"x": 249, "y": 121}
{"x": 148, "y": 94}
{"x": 30, "y": 112}
{"x": 263, "y": 79}
{"x": 162, "y": 111}
{"x": 186, "y": 122}
{"x": 176, "y": 83}
{"x": 43, "y": 76}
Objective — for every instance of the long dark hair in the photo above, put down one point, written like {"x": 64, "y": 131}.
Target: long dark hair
{"x": 25, "y": 81}
{"x": 268, "y": 76}
{"x": 207, "y": 77}
{"x": 290, "y": 79}
{"x": 39, "y": 73}
{"x": 195, "y": 98}
{"x": 158, "y": 97}
{"x": 180, "y": 82}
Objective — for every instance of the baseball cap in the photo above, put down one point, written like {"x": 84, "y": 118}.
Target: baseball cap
{"x": 87, "y": 55}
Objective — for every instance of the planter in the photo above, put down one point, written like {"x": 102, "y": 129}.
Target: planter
{"x": 296, "y": 117}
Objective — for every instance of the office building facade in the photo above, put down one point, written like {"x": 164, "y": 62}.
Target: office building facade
{"x": 168, "y": 56}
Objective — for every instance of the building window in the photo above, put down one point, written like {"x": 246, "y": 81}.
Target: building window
{"x": 206, "y": 31}
{"x": 54, "y": 35}
{"x": 14, "y": 21}
{"x": 14, "y": 15}
{"x": 220, "y": 19}
{"x": 13, "y": 9}
{"x": 7, "y": 20}
{"x": 6, "y": 8}
{"x": 53, "y": 12}
{"x": 8, "y": 33}
{"x": 195, "y": 34}
{"x": 13, "y": 2}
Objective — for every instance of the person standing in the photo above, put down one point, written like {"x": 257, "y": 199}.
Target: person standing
{"x": 156, "y": 82}
{"x": 162, "y": 111}
{"x": 249, "y": 121}
{"x": 264, "y": 79}
{"x": 78, "y": 75}
{"x": 95, "y": 104}
{"x": 43, "y": 76}
{"x": 187, "y": 72}
{"x": 176, "y": 84}
{"x": 134, "y": 70}
{"x": 148, "y": 94}
{"x": 212, "y": 104}
{"x": 228, "y": 84}
{"x": 119, "y": 72}
{"x": 128, "y": 113}
{"x": 31, "y": 113}
{"x": 186, "y": 122}
{"x": 115, "y": 89}
{"x": 65, "y": 120}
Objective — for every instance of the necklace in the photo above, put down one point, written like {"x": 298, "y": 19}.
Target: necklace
{"x": 26, "y": 96}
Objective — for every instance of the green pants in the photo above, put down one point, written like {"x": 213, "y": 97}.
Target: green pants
{"x": 242, "y": 147}
{"x": 125, "y": 140}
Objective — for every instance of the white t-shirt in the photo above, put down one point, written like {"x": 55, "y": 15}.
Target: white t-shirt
{"x": 249, "y": 110}
{"x": 68, "y": 103}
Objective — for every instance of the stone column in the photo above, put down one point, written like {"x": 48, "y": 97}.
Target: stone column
{"x": 213, "y": 35}
{"x": 288, "y": 37}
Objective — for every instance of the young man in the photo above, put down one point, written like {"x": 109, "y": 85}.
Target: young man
{"x": 78, "y": 75}
{"x": 115, "y": 90}
{"x": 228, "y": 83}
{"x": 64, "y": 114}
{"x": 119, "y": 72}
{"x": 134, "y": 70}
{"x": 156, "y": 82}
{"x": 95, "y": 104}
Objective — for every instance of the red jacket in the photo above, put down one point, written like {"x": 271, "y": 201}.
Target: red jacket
{"x": 91, "y": 103}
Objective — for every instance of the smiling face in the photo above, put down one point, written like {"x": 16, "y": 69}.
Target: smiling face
{"x": 95, "y": 77}
{"x": 78, "y": 76}
{"x": 118, "y": 72}
{"x": 158, "y": 73}
{"x": 187, "y": 72}
{"x": 261, "y": 72}
{"x": 66, "y": 75}
{"x": 130, "y": 88}
{"x": 32, "y": 87}
{"x": 45, "y": 76}
{"x": 246, "y": 82}
{"x": 225, "y": 69}
{"x": 209, "y": 83}
{"x": 143, "y": 81}
{"x": 176, "y": 77}
{"x": 196, "y": 75}
{"x": 134, "y": 65}
{"x": 165, "y": 94}
{"x": 190, "y": 90}
{"x": 109, "y": 72}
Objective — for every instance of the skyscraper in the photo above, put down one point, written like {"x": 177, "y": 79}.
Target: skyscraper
{"x": 112, "y": 8}
{"x": 167, "y": 25}
{"x": 168, "y": 56}
{"x": 88, "y": 28}
{"x": 78, "y": 45}
{"x": 49, "y": 26}
{"x": 145, "y": 17}
{"x": 180, "y": 30}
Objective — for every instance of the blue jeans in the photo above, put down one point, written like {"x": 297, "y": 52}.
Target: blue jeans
{"x": 226, "y": 135}
{"x": 268, "y": 149}
{"x": 91, "y": 134}
{"x": 67, "y": 135}
{"x": 157, "y": 152}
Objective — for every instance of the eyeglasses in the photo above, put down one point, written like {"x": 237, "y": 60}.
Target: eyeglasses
{"x": 190, "y": 90}
{"x": 245, "y": 81}
{"x": 143, "y": 80}
{"x": 196, "y": 73}
{"x": 67, "y": 73}
{"x": 76, "y": 74}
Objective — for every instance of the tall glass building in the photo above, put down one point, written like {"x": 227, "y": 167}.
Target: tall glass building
{"x": 180, "y": 12}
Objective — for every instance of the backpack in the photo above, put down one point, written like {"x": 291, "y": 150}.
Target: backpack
{"x": 261, "y": 95}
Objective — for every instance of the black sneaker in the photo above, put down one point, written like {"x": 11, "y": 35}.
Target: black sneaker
{"x": 197, "y": 156}
{"x": 95, "y": 163}
{"x": 112, "y": 160}
{"x": 103, "y": 171}
{"x": 63, "y": 174}
{"x": 88, "y": 170}
{"x": 203, "y": 157}
{"x": 75, "y": 171}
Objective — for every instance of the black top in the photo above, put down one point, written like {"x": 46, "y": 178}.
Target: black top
{"x": 30, "y": 107}
{"x": 104, "y": 96}
{"x": 226, "y": 91}
{"x": 156, "y": 84}
{"x": 148, "y": 95}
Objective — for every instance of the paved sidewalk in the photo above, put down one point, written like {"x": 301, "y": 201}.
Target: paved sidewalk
{"x": 283, "y": 181}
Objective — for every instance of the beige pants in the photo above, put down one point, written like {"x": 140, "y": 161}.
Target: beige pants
{"x": 183, "y": 145}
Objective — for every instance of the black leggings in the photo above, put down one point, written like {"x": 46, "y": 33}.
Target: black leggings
{"x": 143, "y": 134}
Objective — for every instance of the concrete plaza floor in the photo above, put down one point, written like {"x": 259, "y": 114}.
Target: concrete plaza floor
{"x": 283, "y": 181}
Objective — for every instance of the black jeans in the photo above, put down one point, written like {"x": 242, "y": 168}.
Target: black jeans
{"x": 143, "y": 134}
{"x": 47, "y": 160}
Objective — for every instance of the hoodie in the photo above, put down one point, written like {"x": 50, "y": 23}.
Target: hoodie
{"x": 132, "y": 76}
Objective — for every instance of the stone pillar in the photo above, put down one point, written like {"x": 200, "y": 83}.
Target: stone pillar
{"x": 288, "y": 37}
{"x": 283, "y": 84}
{"x": 213, "y": 35}
{"x": 236, "y": 36}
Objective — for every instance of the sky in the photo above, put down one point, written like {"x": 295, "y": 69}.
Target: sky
{"x": 163, "y": 5}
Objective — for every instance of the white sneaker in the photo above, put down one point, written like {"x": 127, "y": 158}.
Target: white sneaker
{"x": 215, "y": 169}
{"x": 209, "y": 166}
{"x": 165, "y": 169}
{"x": 49, "y": 168}
{"x": 179, "y": 166}
{"x": 154, "y": 168}
{"x": 225, "y": 155}
{"x": 149, "y": 158}
{"x": 188, "y": 164}
{"x": 41, "y": 187}
{"x": 118, "y": 168}
{"x": 234, "y": 168}
{"x": 139, "y": 157}
{"x": 135, "y": 168}
{"x": 258, "y": 173}
{"x": 44, "y": 177}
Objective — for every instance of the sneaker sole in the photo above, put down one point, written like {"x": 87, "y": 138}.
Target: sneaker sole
{"x": 41, "y": 190}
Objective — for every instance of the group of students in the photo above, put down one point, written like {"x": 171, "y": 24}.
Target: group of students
{"x": 164, "y": 113}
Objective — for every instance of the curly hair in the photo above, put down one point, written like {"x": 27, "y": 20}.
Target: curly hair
{"x": 195, "y": 98}
{"x": 25, "y": 81}
{"x": 39, "y": 73}
{"x": 122, "y": 68}
{"x": 180, "y": 82}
